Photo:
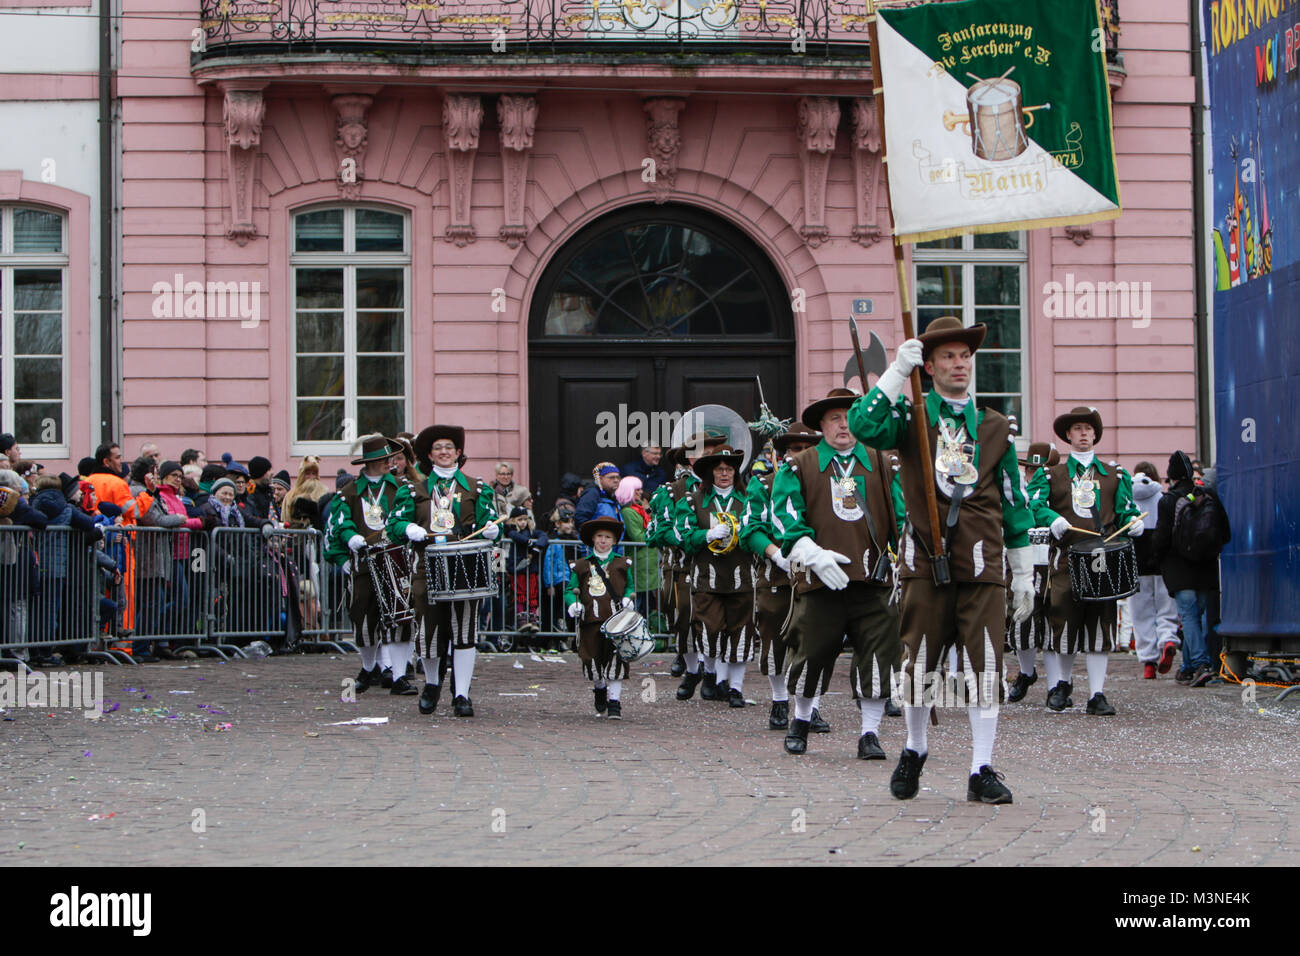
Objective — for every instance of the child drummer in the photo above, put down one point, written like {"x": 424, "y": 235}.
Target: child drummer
{"x": 599, "y": 586}
{"x": 1080, "y": 499}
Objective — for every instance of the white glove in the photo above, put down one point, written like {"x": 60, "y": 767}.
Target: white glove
{"x": 356, "y": 543}
{"x": 415, "y": 533}
{"x": 1136, "y": 530}
{"x": 717, "y": 533}
{"x": 825, "y": 564}
{"x": 575, "y": 610}
{"x": 1021, "y": 561}
{"x": 781, "y": 561}
{"x": 628, "y": 603}
{"x": 910, "y": 355}
{"x": 1059, "y": 527}
{"x": 490, "y": 532}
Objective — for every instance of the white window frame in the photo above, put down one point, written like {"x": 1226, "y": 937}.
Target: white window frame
{"x": 349, "y": 262}
{"x": 967, "y": 257}
{"x": 9, "y": 262}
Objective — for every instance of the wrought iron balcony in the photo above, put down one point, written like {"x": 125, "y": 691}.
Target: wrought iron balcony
{"x": 502, "y": 27}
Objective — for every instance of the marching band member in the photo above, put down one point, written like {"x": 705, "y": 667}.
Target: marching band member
{"x": 357, "y": 518}
{"x": 772, "y": 593}
{"x": 833, "y": 512}
{"x": 1081, "y": 491}
{"x": 599, "y": 586}
{"x": 981, "y": 492}
{"x": 722, "y": 573}
{"x": 676, "y": 567}
{"x": 1026, "y": 637}
{"x": 446, "y": 506}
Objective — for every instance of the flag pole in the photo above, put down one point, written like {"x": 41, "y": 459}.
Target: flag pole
{"x": 939, "y": 560}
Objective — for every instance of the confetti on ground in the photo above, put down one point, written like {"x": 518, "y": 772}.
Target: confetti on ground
{"x": 87, "y": 754}
{"x": 180, "y": 692}
{"x": 359, "y": 720}
{"x": 504, "y": 694}
{"x": 311, "y": 733}
{"x": 97, "y": 816}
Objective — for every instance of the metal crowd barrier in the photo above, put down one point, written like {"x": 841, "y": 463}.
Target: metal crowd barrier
{"x": 523, "y": 597}
{"x": 48, "y": 593}
{"x": 202, "y": 590}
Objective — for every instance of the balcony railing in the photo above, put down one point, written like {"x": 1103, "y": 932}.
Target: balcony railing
{"x": 632, "y": 26}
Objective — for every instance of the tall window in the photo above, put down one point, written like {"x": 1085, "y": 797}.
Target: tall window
{"x": 33, "y": 329}
{"x": 981, "y": 278}
{"x": 351, "y": 282}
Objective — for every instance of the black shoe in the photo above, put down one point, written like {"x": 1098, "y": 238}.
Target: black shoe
{"x": 419, "y": 665}
{"x": 362, "y": 682}
{"x": 402, "y": 687}
{"x": 386, "y": 679}
{"x": 410, "y": 669}
{"x": 892, "y": 709}
{"x": 1020, "y": 687}
{"x": 602, "y": 700}
{"x": 710, "y": 689}
{"x": 687, "y": 690}
{"x": 869, "y": 748}
{"x": 1184, "y": 676}
{"x": 1201, "y": 677}
{"x": 818, "y": 725}
{"x": 735, "y": 698}
{"x": 987, "y": 787}
{"x": 906, "y": 780}
{"x": 722, "y": 691}
{"x": 615, "y": 710}
{"x": 679, "y": 666}
{"x": 463, "y": 707}
{"x": 376, "y": 675}
{"x": 779, "y": 718}
{"x": 1100, "y": 706}
{"x": 1059, "y": 698}
{"x": 796, "y": 741}
{"x": 429, "y": 698}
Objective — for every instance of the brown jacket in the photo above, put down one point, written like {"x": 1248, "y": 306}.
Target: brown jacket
{"x": 596, "y": 610}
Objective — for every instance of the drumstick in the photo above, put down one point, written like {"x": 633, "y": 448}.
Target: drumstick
{"x": 1127, "y": 526}
{"x": 485, "y": 527}
{"x": 1085, "y": 530}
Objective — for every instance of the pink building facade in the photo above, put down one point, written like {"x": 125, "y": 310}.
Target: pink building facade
{"x": 517, "y": 223}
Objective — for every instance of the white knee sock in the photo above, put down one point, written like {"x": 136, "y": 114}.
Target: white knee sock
{"x": 431, "y": 675}
{"x": 710, "y": 665}
{"x": 400, "y": 655}
{"x": 779, "y": 692}
{"x": 368, "y": 655}
{"x": 692, "y": 661}
{"x": 384, "y": 658}
{"x": 817, "y": 703}
{"x": 600, "y": 683}
{"x": 462, "y": 661}
{"x": 1026, "y": 659}
{"x": 736, "y": 676}
{"x": 918, "y": 721}
{"x": 983, "y": 731}
{"x": 872, "y": 710}
{"x": 1067, "y": 667}
{"x": 1052, "y": 664}
{"x": 615, "y": 688}
{"x": 724, "y": 670}
{"x": 1096, "y": 664}
{"x": 953, "y": 661}
{"x": 803, "y": 708}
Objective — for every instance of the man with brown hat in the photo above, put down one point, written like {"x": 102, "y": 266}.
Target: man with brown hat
{"x": 445, "y": 506}
{"x": 772, "y": 592}
{"x": 357, "y": 519}
{"x": 1081, "y": 491}
{"x": 675, "y": 568}
{"x": 832, "y": 510}
{"x": 1026, "y": 637}
{"x": 983, "y": 511}
{"x": 711, "y": 525}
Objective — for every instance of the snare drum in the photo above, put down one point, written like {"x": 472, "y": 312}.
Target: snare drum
{"x": 390, "y": 573}
{"x": 630, "y": 634}
{"x": 997, "y": 125}
{"x": 1103, "y": 570}
{"x": 460, "y": 571}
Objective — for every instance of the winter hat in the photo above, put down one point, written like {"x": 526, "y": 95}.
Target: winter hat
{"x": 518, "y": 512}
{"x": 341, "y": 480}
{"x": 86, "y": 467}
{"x": 258, "y": 467}
{"x": 282, "y": 479}
{"x": 222, "y": 483}
{"x": 69, "y": 483}
{"x": 167, "y": 467}
{"x": 233, "y": 467}
{"x": 1146, "y": 493}
{"x": 1180, "y": 467}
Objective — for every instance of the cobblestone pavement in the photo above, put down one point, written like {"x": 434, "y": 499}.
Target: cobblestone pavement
{"x": 1179, "y": 777}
